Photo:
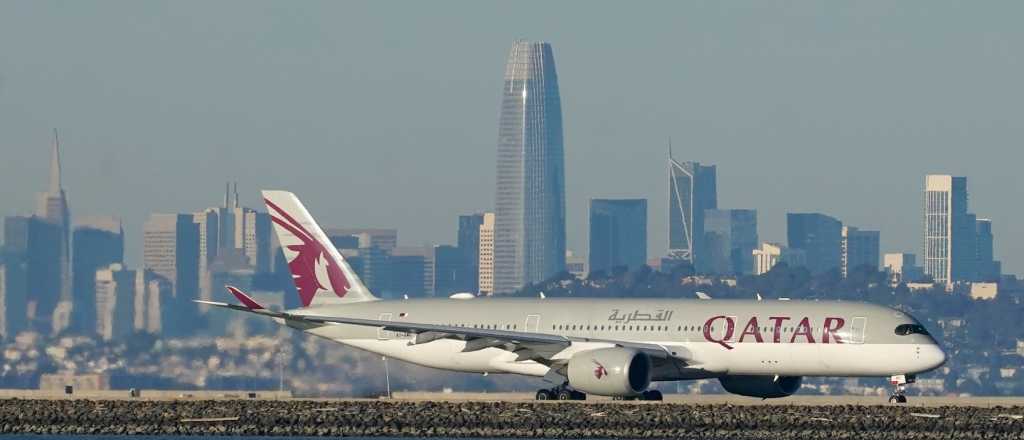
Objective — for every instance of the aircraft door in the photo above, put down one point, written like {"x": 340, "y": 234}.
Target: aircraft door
{"x": 532, "y": 324}
{"x": 858, "y": 329}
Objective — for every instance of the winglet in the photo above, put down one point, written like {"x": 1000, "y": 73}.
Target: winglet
{"x": 246, "y": 300}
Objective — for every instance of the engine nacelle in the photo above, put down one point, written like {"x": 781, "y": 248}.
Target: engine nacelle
{"x": 610, "y": 371}
{"x": 765, "y": 387}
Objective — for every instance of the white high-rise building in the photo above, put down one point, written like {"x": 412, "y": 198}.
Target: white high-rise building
{"x": 949, "y": 230}
{"x": 150, "y": 289}
{"x": 115, "y": 302}
{"x": 486, "y": 263}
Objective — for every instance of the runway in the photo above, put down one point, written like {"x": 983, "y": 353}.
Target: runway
{"x": 730, "y": 399}
{"x": 412, "y": 417}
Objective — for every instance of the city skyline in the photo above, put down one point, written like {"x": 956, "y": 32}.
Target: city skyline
{"x": 132, "y": 171}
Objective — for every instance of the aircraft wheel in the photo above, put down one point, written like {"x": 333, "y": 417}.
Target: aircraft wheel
{"x": 897, "y": 398}
{"x": 565, "y": 395}
{"x": 653, "y": 395}
{"x": 577, "y": 395}
{"x": 543, "y": 395}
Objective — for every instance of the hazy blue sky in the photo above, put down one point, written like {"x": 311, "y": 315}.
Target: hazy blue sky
{"x": 385, "y": 113}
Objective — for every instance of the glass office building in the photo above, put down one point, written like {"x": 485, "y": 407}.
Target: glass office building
{"x": 529, "y": 242}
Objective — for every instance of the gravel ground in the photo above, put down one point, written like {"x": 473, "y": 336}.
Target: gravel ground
{"x": 506, "y": 419}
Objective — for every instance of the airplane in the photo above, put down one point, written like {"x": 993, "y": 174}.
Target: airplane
{"x": 606, "y": 347}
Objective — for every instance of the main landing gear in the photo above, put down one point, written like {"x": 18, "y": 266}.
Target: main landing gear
{"x": 899, "y": 385}
{"x": 651, "y": 395}
{"x": 561, "y": 392}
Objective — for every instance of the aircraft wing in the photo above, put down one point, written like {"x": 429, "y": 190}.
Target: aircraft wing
{"x": 530, "y": 345}
{"x": 540, "y": 347}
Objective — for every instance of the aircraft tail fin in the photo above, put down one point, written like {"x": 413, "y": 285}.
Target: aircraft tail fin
{"x": 321, "y": 274}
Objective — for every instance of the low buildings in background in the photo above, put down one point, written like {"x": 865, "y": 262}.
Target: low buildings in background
{"x": 77, "y": 382}
{"x": 902, "y": 267}
{"x": 984, "y": 290}
{"x": 770, "y": 254}
{"x": 576, "y": 265}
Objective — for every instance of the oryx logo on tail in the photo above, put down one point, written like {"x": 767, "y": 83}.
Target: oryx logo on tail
{"x": 313, "y": 267}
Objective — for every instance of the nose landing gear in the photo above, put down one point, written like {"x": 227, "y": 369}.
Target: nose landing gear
{"x": 899, "y": 384}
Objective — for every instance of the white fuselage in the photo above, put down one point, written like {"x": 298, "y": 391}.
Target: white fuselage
{"x": 709, "y": 338}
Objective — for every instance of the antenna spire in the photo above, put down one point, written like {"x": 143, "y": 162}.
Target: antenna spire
{"x": 55, "y": 183}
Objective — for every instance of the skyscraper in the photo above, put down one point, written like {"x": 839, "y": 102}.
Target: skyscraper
{"x": 150, "y": 290}
{"x": 692, "y": 190}
{"x": 467, "y": 276}
{"x": 115, "y": 302}
{"x": 859, "y": 248}
{"x": 448, "y": 263}
{"x": 618, "y": 233}
{"x": 730, "y": 237}
{"x": 819, "y": 236}
{"x": 529, "y": 242}
{"x": 988, "y": 269}
{"x": 381, "y": 238}
{"x": 97, "y": 244}
{"x": 13, "y": 297}
{"x": 171, "y": 250}
{"x": 33, "y": 248}
{"x": 52, "y": 206}
{"x": 230, "y": 232}
{"x": 949, "y": 231}
{"x": 412, "y": 271}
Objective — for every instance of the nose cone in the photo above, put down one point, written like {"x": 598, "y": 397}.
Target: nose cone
{"x": 932, "y": 357}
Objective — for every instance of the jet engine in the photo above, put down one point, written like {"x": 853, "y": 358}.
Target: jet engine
{"x": 610, "y": 371}
{"x": 765, "y": 387}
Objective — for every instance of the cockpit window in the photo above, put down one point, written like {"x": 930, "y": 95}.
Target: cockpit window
{"x": 910, "y": 329}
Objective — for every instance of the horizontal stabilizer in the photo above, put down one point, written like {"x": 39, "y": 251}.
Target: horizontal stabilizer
{"x": 246, "y": 300}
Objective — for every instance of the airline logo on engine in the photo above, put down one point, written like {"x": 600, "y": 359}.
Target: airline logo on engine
{"x": 723, "y": 330}
{"x": 599, "y": 371}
